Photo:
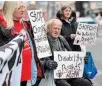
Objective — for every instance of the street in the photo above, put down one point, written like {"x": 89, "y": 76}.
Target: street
{"x": 97, "y": 55}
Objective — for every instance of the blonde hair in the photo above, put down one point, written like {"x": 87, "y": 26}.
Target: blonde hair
{"x": 52, "y": 22}
{"x": 8, "y": 10}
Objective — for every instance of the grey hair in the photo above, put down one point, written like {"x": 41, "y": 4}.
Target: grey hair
{"x": 51, "y": 22}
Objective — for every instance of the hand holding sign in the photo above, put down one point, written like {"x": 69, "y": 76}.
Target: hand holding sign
{"x": 73, "y": 36}
{"x": 86, "y": 34}
{"x": 51, "y": 65}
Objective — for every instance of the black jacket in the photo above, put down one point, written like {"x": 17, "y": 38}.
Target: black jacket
{"x": 67, "y": 30}
{"x": 5, "y": 35}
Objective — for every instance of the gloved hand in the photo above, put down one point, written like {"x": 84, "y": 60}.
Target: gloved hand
{"x": 51, "y": 65}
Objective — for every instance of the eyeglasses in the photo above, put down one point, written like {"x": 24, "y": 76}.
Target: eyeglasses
{"x": 21, "y": 7}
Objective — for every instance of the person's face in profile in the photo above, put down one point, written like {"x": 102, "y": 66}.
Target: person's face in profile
{"x": 19, "y": 11}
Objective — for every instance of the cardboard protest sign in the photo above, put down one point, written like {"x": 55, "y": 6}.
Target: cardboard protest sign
{"x": 86, "y": 34}
{"x": 11, "y": 62}
{"x": 70, "y": 64}
{"x": 40, "y": 37}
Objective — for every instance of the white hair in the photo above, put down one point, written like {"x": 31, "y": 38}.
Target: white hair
{"x": 52, "y": 22}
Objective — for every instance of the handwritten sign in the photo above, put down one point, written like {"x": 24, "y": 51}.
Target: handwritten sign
{"x": 40, "y": 37}
{"x": 86, "y": 34}
{"x": 70, "y": 64}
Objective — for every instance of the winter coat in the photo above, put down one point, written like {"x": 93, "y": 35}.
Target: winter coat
{"x": 49, "y": 80}
{"x": 5, "y": 36}
{"x": 69, "y": 28}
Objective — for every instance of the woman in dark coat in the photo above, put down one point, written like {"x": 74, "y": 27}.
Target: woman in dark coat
{"x": 69, "y": 26}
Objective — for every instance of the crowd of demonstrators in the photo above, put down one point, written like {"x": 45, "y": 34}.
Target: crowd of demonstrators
{"x": 61, "y": 33}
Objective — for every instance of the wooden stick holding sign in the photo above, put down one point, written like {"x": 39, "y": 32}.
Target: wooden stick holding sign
{"x": 40, "y": 37}
{"x": 70, "y": 64}
{"x": 86, "y": 34}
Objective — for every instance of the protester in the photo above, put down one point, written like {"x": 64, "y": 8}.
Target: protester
{"x": 69, "y": 26}
{"x": 13, "y": 12}
{"x": 58, "y": 43}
